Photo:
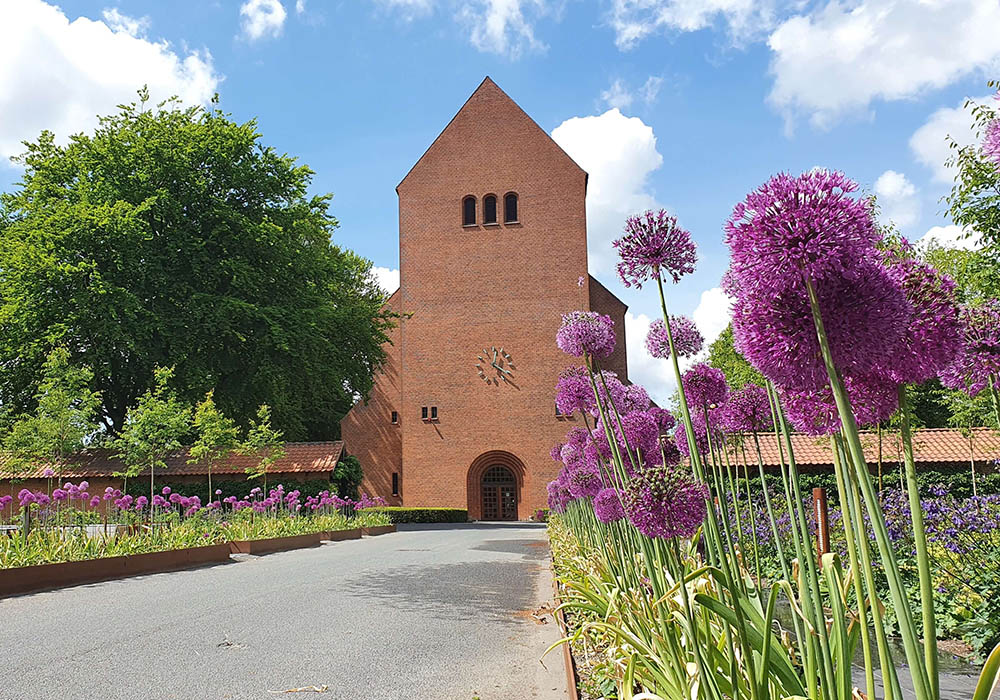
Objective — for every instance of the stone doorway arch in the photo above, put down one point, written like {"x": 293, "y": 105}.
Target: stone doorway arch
{"x": 495, "y": 481}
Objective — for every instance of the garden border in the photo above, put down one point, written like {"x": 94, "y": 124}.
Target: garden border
{"x": 572, "y": 677}
{"x": 340, "y": 535}
{"x": 275, "y": 544}
{"x": 377, "y": 530}
{"x": 40, "y": 577}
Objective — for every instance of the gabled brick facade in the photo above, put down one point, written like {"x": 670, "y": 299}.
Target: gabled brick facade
{"x": 467, "y": 289}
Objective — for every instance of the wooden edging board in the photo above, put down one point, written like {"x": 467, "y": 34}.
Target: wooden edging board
{"x": 572, "y": 678}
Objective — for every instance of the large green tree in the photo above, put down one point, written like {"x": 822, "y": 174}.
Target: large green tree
{"x": 173, "y": 237}
{"x": 722, "y": 354}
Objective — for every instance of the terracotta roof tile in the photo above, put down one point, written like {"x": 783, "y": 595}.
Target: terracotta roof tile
{"x": 300, "y": 457}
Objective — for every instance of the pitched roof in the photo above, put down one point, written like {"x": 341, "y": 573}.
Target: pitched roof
{"x": 930, "y": 446}
{"x": 300, "y": 457}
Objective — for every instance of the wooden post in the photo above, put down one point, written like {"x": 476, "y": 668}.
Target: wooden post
{"x": 822, "y": 521}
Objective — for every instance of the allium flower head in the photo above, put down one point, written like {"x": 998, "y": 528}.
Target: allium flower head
{"x": 641, "y": 432}
{"x": 979, "y": 356}
{"x": 654, "y": 244}
{"x": 991, "y": 142}
{"x": 864, "y": 316}
{"x": 586, "y": 333}
{"x": 814, "y": 412}
{"x": 664, "y": 419}
{"x": 687, "y": 339}
{"x": 665, "y": 502}
{"x": 573, "y": 391}
{"x": 608, "y": 506}
{"x": 795, "y": 226}
{"x": 747, "y": 410}
{"x": 584, "y": 481}
{"x": 559, "y": 495}
{"x": 933, "y": 338}
{"x": 704, "y": 386}
{"x": 700, "y": 436}
{"x": 48, "y": 472}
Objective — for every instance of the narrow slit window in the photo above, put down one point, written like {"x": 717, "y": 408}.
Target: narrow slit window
{"x": 395, "y": 483}
{"x": 510, "y": 208}
{"x": 469, "y": 211}
{"x": 434, "y": 412}
{"x": 423, "y": 413}
{"x": 489, "y": 209}
{"x": 395, "y": 417}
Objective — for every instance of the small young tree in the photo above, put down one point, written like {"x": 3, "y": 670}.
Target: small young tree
{"x": 153, "y": 428}
{"x": 263, "y": 442}
{"x": 64, "y": 416}
{"x": 217, "y": 436}
{"x": 347, "y": 476}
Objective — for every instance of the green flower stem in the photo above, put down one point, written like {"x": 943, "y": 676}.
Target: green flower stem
{"x": 920, "y": 541}
{"x": 908, "y": 631}
{"x": 785, "y": 571}
{"x": 996, "y": 398}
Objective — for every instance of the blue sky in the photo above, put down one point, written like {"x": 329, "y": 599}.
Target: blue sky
{"x": 712, "y": 96}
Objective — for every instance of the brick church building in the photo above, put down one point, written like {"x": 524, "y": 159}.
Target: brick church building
{"x": 492, "y": 251}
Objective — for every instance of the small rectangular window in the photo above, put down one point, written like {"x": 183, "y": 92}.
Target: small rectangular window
{"x": 558, "y": 412}
{"x": 423, "y": 413}
{"x": 395, "y": 483}
{"x": 434, "y": 412}
{"x": 395, "y": 417}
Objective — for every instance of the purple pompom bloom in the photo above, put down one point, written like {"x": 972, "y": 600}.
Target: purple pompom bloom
{"x": 864, "y": 315}
{"x": 586, "y": 333}
{"x": 584, "y": 481}
{"x": 991, "y": 142}
{"x": 796, "y": 226}
{"x": 687, "y": 339}
{"x": 747, "y": 411}
{"x": 815, "y": 412}
{"x": 653, "y": 244}
{"x": 48, "y": 472}
{"x": 979, "y": 356}
{"x": 559, "y": 495}
{"x": 608, "y": 506}
{"x": 556, "y": 452}
{"x": 641, "y": 433}
{"x": 573, "y": 391}
{"x": 665, "y": 420}
{"x": 933, "y": 337}
{"x": 700, "y": 436}
{"x": 704, "y": 386}
{"x": 59, "y": 495}
{"x": 665, "y": 502}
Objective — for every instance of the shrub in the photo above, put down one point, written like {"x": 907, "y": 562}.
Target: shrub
{"x": 400, "y": 514}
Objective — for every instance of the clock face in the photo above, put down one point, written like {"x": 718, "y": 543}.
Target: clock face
{"x": 495, "y": 366}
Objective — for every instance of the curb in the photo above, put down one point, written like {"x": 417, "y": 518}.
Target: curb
{"x": 275, "y": 544}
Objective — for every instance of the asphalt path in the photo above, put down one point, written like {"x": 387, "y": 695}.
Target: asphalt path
{"x": 442, "y": 613}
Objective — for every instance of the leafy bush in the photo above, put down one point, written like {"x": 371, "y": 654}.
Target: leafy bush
{"x": 401, "y": 514}
{"x": 347, "y": 477}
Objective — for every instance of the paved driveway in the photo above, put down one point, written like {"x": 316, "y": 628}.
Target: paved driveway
{"x": 435, "y": 612}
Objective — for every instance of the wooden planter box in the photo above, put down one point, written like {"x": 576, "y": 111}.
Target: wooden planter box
{"x": 275, "y": 544}
{"x": 378, "y": 530}
{"x": 28, "y": 579}
{"x": 341, "y": 535}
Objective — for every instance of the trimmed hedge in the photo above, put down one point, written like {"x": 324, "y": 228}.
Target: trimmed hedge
{"x": 400, "y": 514}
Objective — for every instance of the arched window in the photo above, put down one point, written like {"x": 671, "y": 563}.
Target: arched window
{"x": 469, "y": 211}
{"x": 510, "y": 208}
{"x": 489, "y": 209}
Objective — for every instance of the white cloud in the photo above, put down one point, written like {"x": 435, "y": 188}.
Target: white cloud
{"x": 618, "y": 153}
{"x": 388, "y": 279}
{"x": 502, "y": 26}
{"x": 897, "y": 197}
{"x": 950, "y": 236}
{"x": 617, "y": 96}
{"x": 408, "y": 6}
{"x": 712, "y": 313}
{"x": 300, "y": 6}
{"x": 634, "y": 20}
{"x": 651, "y": 89}
{"x": 58, "y": 75}
{"x": 841, "y": 57}
{"x": 929, "y": 143}
{"x": 262, "y": 18}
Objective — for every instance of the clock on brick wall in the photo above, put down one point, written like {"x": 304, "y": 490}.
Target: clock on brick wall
{"x": 495, "y": 366}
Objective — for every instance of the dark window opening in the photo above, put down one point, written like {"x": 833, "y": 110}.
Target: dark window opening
{"x": 395, "y": 483}
{"x": 469, "y": 211}
{"x": 510, "y": 208}
{"x": 423, "y": 413}
{"x": 489, "y": 209}
{"x": 395, "y": 417}
{"x": 434, "y": 412}
{"x": 558, "y": 412}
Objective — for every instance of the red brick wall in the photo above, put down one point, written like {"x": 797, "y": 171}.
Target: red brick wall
{"x": 470, "y": 288}
{"x": 603, "y": 301}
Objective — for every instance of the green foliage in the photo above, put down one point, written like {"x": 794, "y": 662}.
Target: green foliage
{"x": 347, "y": 477}
{"x": 264, "y": 442}
{"x": 723, "y": 355}
{"x": 63, "y": 417}
{"x": 217, "y": 436}
{"x": 974, "y": 274}
{"x": 174, "y": 237}
{"x": 401, "y": 514}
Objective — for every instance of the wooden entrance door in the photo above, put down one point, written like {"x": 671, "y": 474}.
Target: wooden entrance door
{"x": 499, "y": 494}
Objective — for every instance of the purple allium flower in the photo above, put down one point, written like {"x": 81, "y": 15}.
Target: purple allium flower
{"x": 700, "y": 436}
{"x": 25, "y": 497}
{"x": 653, "y": 244}
{"x": 59, "y": 495}
{"x": 573, "y": 391}
{"x": 586, "y": 333}
{"x": 95, "y": 501}
{"x": 979, "y": 356}
{"x": 933, "y": 337}
{"x": 991, "y": 142}
{"x": 815, "y": 412}
{"x": 559, "y": 495}
{"x": 584, "y": 481}
{"x": 640, "y": 430}
{"x": 665, "y": 420}
{"x": 687, "y": 338}
{"x": 84, "y": 485}
{"x": 704, "y": 386}
{"x": 218, "y": 492}
{"x": 166, "y": 491}
{"x": 48, "y": 472}
{"x": 864, "y": 315}
{"x": 141, "y": 502}
{"x": 608, "y": 506}
{"x": 635, "y": 398}
{"x": 665, "y": 502}
{"x": 556, "y": 452}
{"x": 795, "y": 226}
{"x": 747, "y": 410}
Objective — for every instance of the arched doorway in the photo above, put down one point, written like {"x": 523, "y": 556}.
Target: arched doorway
{"x": 499, "y": 494}
{"x": 494, "y": 486}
